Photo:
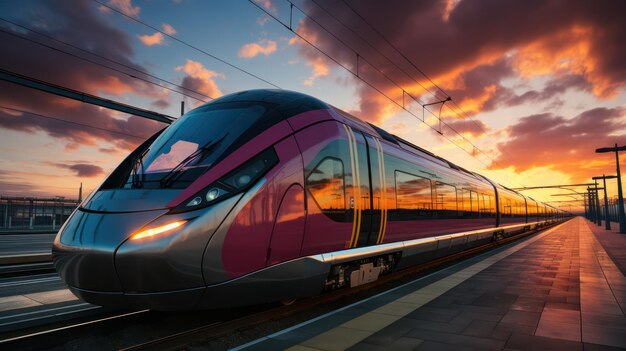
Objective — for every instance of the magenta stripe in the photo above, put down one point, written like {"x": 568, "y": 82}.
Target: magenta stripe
{"x": 241, "y": 155}
{"x": 305, "y": 119}
{"x": 251, "y": 148}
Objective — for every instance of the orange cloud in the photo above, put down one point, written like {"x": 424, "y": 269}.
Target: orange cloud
{"x": 473, "y": 105}
{"x": 200, "y": 78}
{"x": 154, "y": 39}
{"x": 167, "y": 28}
{"x": 263, "y": 47}
{"x": 450, "y": 5}
{"x": 314, "y": 60}
{"x": 565, "y": 145}
{"x": 112, "y": 85}
{"x": 125, "y": 6}
{"x": 567, "y": 51}
{"x": 268, "y": 5}
{"x": 320, "y": 69}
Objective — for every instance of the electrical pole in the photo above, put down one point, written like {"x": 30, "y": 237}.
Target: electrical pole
{"x": 620, "y": 201}
{"x": 606, "y": 199}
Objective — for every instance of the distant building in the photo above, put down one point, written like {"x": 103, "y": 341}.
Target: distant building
{"x": 34, "y": 213}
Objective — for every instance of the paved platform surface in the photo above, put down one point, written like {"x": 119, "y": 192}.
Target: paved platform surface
{"x": 557, "y": 290}
{"x": 613, "y": 242}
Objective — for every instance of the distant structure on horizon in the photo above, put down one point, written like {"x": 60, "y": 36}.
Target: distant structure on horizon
{"x": 36, "y": 213}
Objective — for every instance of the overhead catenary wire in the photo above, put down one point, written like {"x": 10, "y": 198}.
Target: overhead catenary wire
{"x": 405, "y": 57}
{"x": 132, "y": 18}
{"x": 446, "y": 98}
{"x": 367, "y": 42}
{"x": 103, "y": 58}
{"x": 356, "y": 74}
{"x": 187, "y": 44}
{"x": 274, "y": 85}
{"x": 360, "y": 56}
{"x": 38, "y": 115}
{"x": 374, "y": 87}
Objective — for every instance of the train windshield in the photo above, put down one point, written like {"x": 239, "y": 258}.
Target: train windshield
{"x": 195, "y": 142}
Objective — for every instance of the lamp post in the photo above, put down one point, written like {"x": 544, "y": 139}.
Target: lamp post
{"x": 585, "y": 205}
{"x": 597, "y": 204}
{"x": 620, "y": 201}
{"x": 606, "y": 199}
{"x": 590, "y": 203}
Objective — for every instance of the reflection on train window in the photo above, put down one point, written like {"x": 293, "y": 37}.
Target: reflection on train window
{"x": 413, "y": 192}
{"x": 482, "y": 204}
{"x": 326, "y": 184}
{"x": 488, "y": 208}
{"x": 507, "y": 210}
{"x": 474, "y": 201}
{"x": 445, "y": 199}
{"x": 170, "y": 159}
{"x": 467, "y": 201}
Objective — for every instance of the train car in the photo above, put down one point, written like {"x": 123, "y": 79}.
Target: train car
{"x": 270, "y": 195}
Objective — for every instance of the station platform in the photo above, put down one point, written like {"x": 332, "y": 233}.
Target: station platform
{"x": 556, "y": 290}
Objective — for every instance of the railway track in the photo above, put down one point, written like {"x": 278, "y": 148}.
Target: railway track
{"x": 24, "y": 269}
{"x": 222, "y": 322}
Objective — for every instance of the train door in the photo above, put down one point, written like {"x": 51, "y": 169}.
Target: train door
{"x": 378, "y": 186}
{"x": 337, "y": 191}
{"x": 363, "y": 200}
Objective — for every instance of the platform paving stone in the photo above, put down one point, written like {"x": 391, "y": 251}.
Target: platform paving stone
{"x": 613, "y": 243}
{"x": 558, "y": 290}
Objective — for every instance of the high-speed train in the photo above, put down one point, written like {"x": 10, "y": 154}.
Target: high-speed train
{"x": 271, "y": 195}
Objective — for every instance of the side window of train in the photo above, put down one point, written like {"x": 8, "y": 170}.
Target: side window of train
{"x": 326, "y": 184}
{"x": 459, "y": 203}
{"x": 474, "y": 202}
{"x": 490, "y": 205}
{"x": 445, "y": 200}
{"x": 413, "y": 196}
{"x": 482, "y": 204}
{"x": 467, "y": 203}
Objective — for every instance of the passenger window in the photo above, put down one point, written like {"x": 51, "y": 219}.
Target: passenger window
{"x": 446, "y": 197}
{"x": 482, "y": 208}
{"x": 490, "y": 205}
{"x": 412, "y": 192}
{"x": 467, "y": 202}
{"x": 326, "y": 184}
{"x": 474, "y": 202}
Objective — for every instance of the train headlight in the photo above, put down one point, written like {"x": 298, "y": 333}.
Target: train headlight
{"x": 238, "y": 180}
{"x": 195, "y": 202}
{"x": 147, "y": 233}
{"x": 212, "y": 194}
{"x": 243, "y": 180}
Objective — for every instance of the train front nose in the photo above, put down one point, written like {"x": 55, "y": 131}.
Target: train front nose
{"x": 84, "y": 249}
{"x": 116, "y": 253}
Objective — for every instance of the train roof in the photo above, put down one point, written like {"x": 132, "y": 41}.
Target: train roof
{"x": 288, "y": 103}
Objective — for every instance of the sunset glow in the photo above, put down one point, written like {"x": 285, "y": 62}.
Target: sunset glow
{"x": 535, "y": 87}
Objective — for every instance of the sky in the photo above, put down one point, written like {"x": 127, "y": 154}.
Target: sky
{"x": 535, "y": 86}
